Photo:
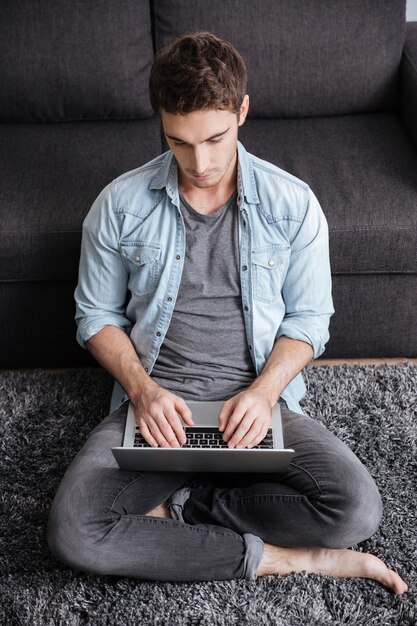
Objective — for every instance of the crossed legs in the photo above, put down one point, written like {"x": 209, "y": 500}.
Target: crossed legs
{"x": 106, "y": 521}
{"x": 325, "y": 502}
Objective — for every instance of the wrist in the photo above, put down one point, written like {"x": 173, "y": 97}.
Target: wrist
{"x": 266, "y": 389}
{"x": 138, "y": 382}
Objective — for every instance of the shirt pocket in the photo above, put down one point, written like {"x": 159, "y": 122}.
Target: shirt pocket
{"x": 269, "y": 268}
{"x": 143, "y": 261}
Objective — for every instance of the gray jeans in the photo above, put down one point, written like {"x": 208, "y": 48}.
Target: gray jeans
{"x": 98, "y": 521}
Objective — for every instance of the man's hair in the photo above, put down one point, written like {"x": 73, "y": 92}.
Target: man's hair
{"x": 197, "y": 71}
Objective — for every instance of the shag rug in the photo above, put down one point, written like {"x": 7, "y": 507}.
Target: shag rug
{"x": 45, "y": 416}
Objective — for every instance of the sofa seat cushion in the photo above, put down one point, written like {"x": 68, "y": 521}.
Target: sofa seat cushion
{"x": 303, "y": 58}
{"x": 363, "y": 169}
{"x": 74, "y": 60}
{"x": 51, "y": 174}
{"x": 375, "y": 315}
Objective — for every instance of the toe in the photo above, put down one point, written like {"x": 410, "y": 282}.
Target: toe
{"x": 376, "y": 569}
{"x": 399, "y": 586}
{"x": 395, "y": 582}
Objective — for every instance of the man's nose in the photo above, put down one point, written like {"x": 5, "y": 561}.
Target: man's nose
{"x": 201, "y": 160}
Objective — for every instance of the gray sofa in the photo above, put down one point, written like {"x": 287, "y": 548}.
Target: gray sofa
{"x": 333, "y": 88}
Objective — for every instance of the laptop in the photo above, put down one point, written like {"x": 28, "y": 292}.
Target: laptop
{"x": 205, "y": 450}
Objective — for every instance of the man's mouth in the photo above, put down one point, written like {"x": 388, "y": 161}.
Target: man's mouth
{"x": 202, "y": 176}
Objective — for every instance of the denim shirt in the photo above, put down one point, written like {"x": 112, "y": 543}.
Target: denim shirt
{"x": 133, "y": 249}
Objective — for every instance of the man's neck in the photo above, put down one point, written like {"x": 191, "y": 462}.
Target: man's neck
{"x": 206, "y": 201}
{"x": 210, "y": 199}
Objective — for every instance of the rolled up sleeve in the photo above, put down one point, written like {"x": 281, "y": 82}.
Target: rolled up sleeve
{"x": 307, "y": 287}
{"x": 100, "y": 295}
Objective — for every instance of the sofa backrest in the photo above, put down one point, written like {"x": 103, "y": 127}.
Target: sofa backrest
{"x": 64, "y": 60}
{"x": 305, "y": 57}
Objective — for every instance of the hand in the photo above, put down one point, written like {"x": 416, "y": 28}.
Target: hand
{"x": 245, "y": 419}
{"x": 156, "y": 412}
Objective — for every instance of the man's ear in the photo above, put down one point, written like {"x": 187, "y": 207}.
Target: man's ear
{"x": 244, "y": 108}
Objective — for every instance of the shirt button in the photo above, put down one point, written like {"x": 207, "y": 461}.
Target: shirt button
{"x": 178, "y": 257}
{"x": 271, "y": 263}
{"x": 244, "y": 222}
{"x": 146, "y": 369}
{"x": 158, "y": 334}
{"x": 137, "y": 259}
{"x": 169, "y": 299}
{"x": 244, "y": 268}
{"x": 246, "y": 308}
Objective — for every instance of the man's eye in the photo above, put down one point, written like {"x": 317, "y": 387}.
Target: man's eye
{"x": 179, "y": 143}
{"x": 216, "y": 140}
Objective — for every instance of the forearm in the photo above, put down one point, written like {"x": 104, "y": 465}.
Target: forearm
{"x": 286, "y": 360}
{"x": 113, "y": 349}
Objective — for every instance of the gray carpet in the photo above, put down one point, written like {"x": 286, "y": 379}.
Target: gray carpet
{"x": 46, "y": 416}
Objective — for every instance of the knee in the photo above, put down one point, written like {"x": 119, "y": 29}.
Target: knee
{"x": 364, "y": 508}
{"x": 357, "y": 509}
{"x": 70, "y": 537}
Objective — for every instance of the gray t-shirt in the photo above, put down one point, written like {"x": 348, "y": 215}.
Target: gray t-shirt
{"x": 205, "y": 355}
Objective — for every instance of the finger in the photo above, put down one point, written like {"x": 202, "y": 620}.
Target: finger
{"x": 160, "y": 430}
{"x": 156, "y": 433}
{"x": 174, "y": 421}
{"x": 225, "y": 413}
{"x": 252, "y": 437}
{"x": 184, "y": 410}
{"x": 234, "y": 420}
{"x": 164, "y": 423}
{"x": 144, "y": 431}
{"x": 241, "y": 431}
{"x": 261, "y": 436}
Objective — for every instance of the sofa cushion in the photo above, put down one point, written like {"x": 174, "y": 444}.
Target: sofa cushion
{"x": 51, "y": 174}
{"x": 375, "y": 315}
{"x": 304, "y": 58}
{"x": 39, "y": 329}
{"x": 409, "y": 82}
{"x": 363, "y": 169}
{"x": 75, "y": 60}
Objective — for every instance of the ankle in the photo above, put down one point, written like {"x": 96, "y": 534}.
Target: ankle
{"x": 268, "y": 563}
{"x": 160, "y": 511}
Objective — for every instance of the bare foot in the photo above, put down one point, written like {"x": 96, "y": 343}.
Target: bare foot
{"x": 342, "y": 563}
{"x": 160, "y": 511}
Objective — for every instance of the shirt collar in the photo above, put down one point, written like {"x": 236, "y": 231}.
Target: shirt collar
{"x": 246, "y": 178}
{"x": 167, "y": 176}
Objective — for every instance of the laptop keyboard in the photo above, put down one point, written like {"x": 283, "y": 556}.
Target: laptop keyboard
{"x": 206, "y": 437}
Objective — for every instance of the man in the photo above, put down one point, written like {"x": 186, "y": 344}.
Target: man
{"x": 205, "y": 274}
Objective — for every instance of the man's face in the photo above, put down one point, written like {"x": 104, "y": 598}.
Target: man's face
{"x": 204, "y": 144}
